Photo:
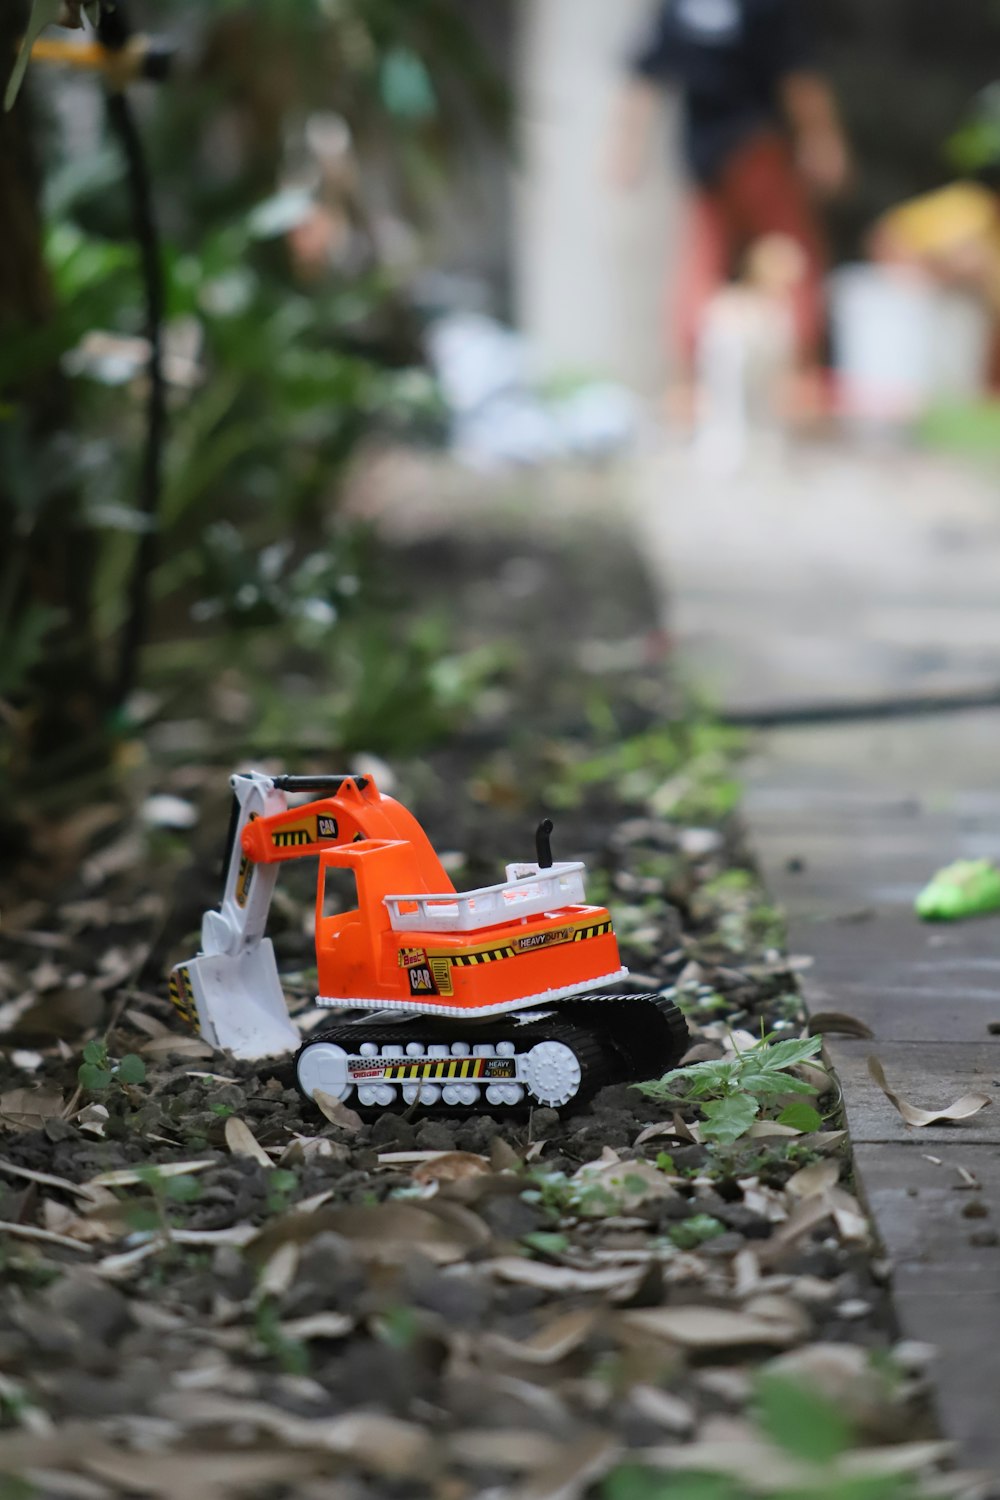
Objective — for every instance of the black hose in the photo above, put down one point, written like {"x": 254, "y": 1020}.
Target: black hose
{"x": 859, "y": 710}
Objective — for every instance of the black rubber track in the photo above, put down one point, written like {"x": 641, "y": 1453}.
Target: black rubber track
{"x": 617, "y": 1039}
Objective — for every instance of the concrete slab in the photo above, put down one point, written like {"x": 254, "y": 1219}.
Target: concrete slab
{"x": 846, "y": 837}
{"x": 928, "y": 1209}
{"x": 930, "y": 1076}
{"x": 930, "y": 1218}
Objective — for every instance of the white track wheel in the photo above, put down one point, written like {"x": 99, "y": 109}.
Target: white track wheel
{"x": 552, "y": 1072}
{"x": 324, "y": 1066}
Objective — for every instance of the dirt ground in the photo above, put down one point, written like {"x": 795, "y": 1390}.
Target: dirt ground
{"x": 214, "y": 1289}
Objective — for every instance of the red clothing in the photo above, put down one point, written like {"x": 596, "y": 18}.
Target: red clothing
{"x": 758, "y": 192}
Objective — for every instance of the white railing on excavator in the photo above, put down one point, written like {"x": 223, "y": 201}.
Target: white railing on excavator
{"x": 527, "y": 891}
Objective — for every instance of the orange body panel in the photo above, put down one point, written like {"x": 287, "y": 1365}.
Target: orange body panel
{"x": 362, "y": 959}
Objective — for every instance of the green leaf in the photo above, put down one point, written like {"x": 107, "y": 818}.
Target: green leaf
{"x": 666, "y": 1163}
{"x": 786, "y": 1054}
{"x": 183, "y": 1189}
{"x": 690, "y": 1233}
{"x": 141, "y": 1216}
{"x": 774, "y": 1083}
{"x": 545, "y": 1242}
{"x": 801, "y": 1116}
{"x": 131, "y": 1069}
{"x": 801, "y": 1421}
{"x": 727, "y": 1119}
{"x": 93, "y": 1078}
{"x": 96, "y": 1053}
{"x": 633, "y": 1483}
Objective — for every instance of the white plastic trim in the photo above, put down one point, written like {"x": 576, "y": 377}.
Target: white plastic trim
{"x": 526, "y": 892}
{"x": 544, "y": 997}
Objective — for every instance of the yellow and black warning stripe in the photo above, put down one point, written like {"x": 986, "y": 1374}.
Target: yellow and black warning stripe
{"x": 182, "y": 998}
{"x": 245, "y": 874}
{"x": 599, "y": 930}
{"x": 243, "y": 880}
{"x": 488, "y": 956}
{"x": 292, "y": 838}
{"x": 448, "y": 1070}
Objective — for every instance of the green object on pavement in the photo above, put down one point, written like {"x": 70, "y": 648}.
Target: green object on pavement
{"x": 968, "y": 888}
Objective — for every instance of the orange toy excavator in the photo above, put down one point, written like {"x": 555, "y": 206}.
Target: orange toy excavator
{"x": 495, "y": 995}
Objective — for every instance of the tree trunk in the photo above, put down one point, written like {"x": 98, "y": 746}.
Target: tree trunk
{"x": 50, "y": 687}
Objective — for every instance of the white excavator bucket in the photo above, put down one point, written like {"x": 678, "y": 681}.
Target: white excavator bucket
{"x": 231, "y": 992}
{"x": 235, "y": 1002}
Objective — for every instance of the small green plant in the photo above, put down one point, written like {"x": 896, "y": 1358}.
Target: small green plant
{"x": 562, "y": 1197}
{"x": 690, "y": 1233}
{"x": 398, "y": 1326}
{"x": 291, "y": 1354}
{"x": 280, "y": 1186}
{"x": 546, "y": 1241}
{"x": 731, "y": 1090}
{"x": 98, "y": 1072}
{"x": 165, "y": 1191}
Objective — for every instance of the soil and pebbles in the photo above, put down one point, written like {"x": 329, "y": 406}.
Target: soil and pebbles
{"x": 213, "y": 1289}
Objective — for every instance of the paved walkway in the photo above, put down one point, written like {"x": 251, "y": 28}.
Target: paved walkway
{"x": 850, "y": 576}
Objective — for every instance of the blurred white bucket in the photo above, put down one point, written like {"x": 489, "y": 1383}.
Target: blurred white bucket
{"x": 902, "y": 344}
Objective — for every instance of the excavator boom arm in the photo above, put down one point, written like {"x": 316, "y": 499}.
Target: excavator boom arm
{"x": 354, "y": 810}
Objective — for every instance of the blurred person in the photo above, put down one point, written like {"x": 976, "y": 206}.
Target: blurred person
{"x": 762, "y": 142}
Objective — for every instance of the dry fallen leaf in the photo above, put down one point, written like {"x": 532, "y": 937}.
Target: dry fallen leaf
{"x": 198, "y": 1476}
{"x": 962, "y": 1109}
{"x": 28, "y": 1109}
{"x": 515, "y": 1451}
{"x": 59, "y": 1219}
{"x": 337, "y": 1113}
{"x": 46, "y": 1179}
{"x": 573, "y": 1470}
{"x": 131, "y": 1176}
{"x": 451, "y": 1166}
{"x": 93, "y": 1118}
{"x": 615, "y": 1281}
{"x": 379, "y": 1444}
{"x": 551, "y": 1343}
{"x": 321, "y": 1325}
{"x": 242, "y": 1142}
{"x": 304, "y": 1148}
{"x": 173, "y": 1042}
{"x": 663, "y": 1408}
{"x": 30, "y": 1232}
{"x": 820, "y": 1177}
{"x": 838, "y": 1023}
{"x": 503, "y": 1157}
{"x": 716, "y": 1327}
{"x": 278, "y": 1274}
{"x": 386, "y": 1233}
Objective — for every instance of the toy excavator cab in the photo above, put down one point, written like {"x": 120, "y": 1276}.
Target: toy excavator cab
{"x": 501, "y": 991}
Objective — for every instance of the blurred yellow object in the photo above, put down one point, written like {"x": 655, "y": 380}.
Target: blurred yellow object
{"x": 73, "y": 54}
{"x": 953, "y": 231}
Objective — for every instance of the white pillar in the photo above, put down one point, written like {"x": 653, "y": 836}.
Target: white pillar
{"x": 591, "y": 261}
